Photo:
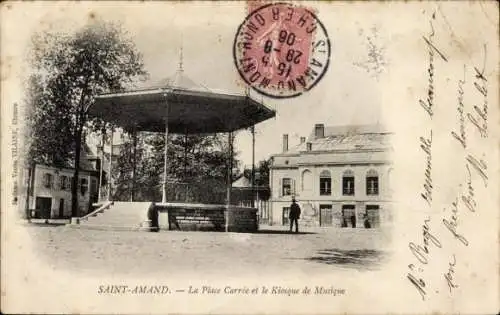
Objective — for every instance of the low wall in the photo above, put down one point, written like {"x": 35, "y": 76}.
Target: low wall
{"x": 206, "y": 217}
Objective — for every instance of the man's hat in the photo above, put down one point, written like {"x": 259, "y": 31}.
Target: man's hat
{"x": 293, "y": 198}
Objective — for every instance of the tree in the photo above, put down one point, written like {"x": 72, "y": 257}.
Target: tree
{"x": 263, "y": 170}
{"x": 263, "y": 173}
{"x": 197, "y": 167}
{"x": 69, "y": 70}
{"x": 261, "y": 178}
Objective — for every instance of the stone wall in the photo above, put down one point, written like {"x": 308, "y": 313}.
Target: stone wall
{"x": 199, "y": 217}
{"x": 242, "y": 219}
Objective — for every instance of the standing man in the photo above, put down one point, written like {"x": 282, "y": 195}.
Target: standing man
{"x": 294, "y": 215}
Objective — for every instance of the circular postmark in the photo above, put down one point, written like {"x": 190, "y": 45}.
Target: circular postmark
{"x": 281, "y": 50}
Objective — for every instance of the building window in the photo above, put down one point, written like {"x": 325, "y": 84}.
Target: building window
{"x": 325, "y": 183}
{"x": 372, "y": 183}
{"x": 348, "y": 216}
{"x": 285, "y": 220}
{"x": 47, "y": 180}
{"x": 325, "y": 215}
{"x": 372, "y": 216}
{"x": 63, "y": 182}
{"x": 348, "y": 183}
{"x": 286, "y": 187}
{"x": 93, "y": 185}
{"x": 84, "y": 185}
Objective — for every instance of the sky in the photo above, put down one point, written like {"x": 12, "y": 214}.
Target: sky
{"x": 347, "y": 93}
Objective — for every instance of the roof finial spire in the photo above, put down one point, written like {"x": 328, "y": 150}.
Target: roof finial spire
{"x": 181, "y": 69}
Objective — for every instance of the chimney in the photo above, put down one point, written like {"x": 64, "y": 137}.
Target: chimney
{"x": 302, "y": 140}
{"x": 309, "y": 146}
{"x": 319, "y": 131}
{"x": 285, "y": 142}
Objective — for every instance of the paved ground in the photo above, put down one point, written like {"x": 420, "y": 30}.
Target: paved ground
{"x": 270, "y": 250}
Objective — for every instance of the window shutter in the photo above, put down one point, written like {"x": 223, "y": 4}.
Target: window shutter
{"x": 293, "y": 187}
{"x": 45, "y": 181}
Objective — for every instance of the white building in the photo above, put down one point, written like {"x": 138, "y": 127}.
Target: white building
{"x": 340, "y": 177}
{"x": 50, "y": 192}
{"x": 46, "y": 190}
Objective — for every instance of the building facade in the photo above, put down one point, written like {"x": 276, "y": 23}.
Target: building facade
{"x": 49, "y": 193}
{"x": 340, "y": 177}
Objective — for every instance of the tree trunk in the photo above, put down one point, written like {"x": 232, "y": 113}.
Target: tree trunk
{"x": 74, "y": 188}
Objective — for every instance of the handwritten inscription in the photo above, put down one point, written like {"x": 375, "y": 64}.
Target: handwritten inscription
{"x": 451, "y": 224}
{"x": 480, "y": 167}
{"x": 471, "y": 112}
{"x": 448, "y": 276}
{"x": 479, "y": 117}
{"x": 473, "y": 166}
{"x": 426, "y": 146}
{"x": 421, "y": 252}
{"x": 460, "y": 137}
{"x": 428, "y": 104}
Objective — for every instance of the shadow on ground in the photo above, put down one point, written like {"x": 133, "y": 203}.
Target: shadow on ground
{"x": 45, "y": 224}
{"x": 264, "y": 231}
{"x": 357, "y": 259}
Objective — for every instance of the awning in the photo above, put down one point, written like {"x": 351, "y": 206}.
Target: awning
{"x": 191, "y": 111}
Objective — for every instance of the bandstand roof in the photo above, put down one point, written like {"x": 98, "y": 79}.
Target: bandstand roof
{"x": 191, "y": 108}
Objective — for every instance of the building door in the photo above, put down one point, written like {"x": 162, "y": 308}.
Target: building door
{"x": 43, "y": 207}
{"x": 61, "y": 208}
{"x": 325, "y": 215}
{"x": 373, "y": 215}
{"x": 348, "y": 216}
{"x": 285, "y": 219}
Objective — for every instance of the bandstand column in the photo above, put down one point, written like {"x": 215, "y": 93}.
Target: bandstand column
{"x": 165, "y": 152}
{"x": 229, "y": 179}
{"x": 253, "y": 166}
{"x": 186, "y": 188}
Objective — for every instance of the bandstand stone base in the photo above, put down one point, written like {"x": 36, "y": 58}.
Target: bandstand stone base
{"x": 206, "y": 217}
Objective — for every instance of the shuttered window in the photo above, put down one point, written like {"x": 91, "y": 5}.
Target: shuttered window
{"x": 325, "y": 183}
{"x": 372, "y": 183}
{"x": 348, "y": 183}
{"x": 286, "y": 187}
{"x": 47, "y": 180}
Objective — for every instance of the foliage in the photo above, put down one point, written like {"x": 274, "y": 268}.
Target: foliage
{"x": 196, "y": 172}
{"x": 49, "y": 135}
{"x": 261, "y": 173}
{"x": 69, "y": 70}
{"x": 261, "y": 178}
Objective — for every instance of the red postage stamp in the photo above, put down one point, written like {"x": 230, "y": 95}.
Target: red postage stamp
{"x": 281, "y": 50}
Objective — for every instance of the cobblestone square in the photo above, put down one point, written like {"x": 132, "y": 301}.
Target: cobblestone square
{"x": 271, "y": 250}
